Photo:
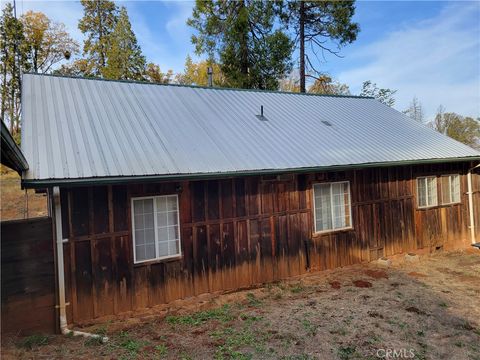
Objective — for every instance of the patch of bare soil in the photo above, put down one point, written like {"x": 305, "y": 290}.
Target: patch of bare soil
{"x": 320, "y": 316}
{"x": 16, "y": 203}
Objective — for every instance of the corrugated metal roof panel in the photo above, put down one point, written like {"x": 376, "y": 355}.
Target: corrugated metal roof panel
{"x": 82, "y": 128}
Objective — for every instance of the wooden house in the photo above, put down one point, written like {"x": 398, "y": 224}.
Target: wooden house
{"x": 161, "y": 192}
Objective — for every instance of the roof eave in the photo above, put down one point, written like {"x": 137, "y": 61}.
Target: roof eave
{"x": 12, "y": 156}
{"x": 43, "y": 183}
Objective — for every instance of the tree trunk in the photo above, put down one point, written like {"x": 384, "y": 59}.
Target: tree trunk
{"x": 244, "y": 52}
{"x": 302, "y": 47}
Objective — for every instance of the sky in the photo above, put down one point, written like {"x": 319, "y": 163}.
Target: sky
{"x": 426, "y": 49}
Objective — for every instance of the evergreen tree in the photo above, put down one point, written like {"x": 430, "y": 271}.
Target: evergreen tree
{"x": 13, "y": 62}
{"x": 385, "y": 96}
{"x": 98, "y": 22}
{"x": 124, "y": 56}
{"x": 243, "y": 37}
{"x": 325, "y": 26}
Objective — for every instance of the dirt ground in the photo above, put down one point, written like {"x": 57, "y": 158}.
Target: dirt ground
{"x": 14, "y": 204}
{"x": 423, "y": 309}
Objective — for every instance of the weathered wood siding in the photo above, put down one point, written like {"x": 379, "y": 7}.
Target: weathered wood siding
{"x": 243, "y": 231}
{"x": 28, "y": 277}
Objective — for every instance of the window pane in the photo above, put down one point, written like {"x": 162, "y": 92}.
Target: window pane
{"x": 161, "y": 204}
{"x": 162, "y": 219}
{"x": 144, "y": 229}
{"x": 445, "y": 186}
{"x": 162, "y": 234}
{"x": 455, "y": 188}
{"x": 432, "y": 191}
{"x": 163, "y": 248}
{"x": 171, "y": 203}
{"x": 422, "y": 192}
{"x": 323, "y": 210}
{"x": 148, "y": 206}
{"x": 338, "y": 205}
{"x": 139, "y": 237}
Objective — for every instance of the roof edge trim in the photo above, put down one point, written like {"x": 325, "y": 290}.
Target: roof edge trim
{"x": 12, "y": 153}
{"x": 198, "y": 176}
{"x": 198, "y": 86}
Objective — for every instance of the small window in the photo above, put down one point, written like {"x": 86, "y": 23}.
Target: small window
{"x": 156, "y": 232}
{"x": 427, "y": 191}
{"x": 450, "y": 185}
{"x": 332, "y": 206}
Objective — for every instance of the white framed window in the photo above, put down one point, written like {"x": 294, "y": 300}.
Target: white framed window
{"x": 427, "y": 191}
{"x": 156, "y": 230}
{"x": 450, "y": 189}
{"x": 332, "y": 208}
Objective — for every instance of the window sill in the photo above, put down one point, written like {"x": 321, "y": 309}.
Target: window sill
{"x": 438, "y": 206}
{"x": 328, "y": 232}
{"x": 157, "y": 261}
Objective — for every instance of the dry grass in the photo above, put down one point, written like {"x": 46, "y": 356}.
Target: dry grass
{"x": 429, "y": 307}
{"x": 14, "y": 204}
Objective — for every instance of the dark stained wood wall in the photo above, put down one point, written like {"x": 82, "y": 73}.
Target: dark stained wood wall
{"x": 28, "y": 277}
{"x": 239, "y": 232}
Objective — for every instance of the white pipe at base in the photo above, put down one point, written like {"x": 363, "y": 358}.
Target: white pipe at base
{"x": 61, "y": 272}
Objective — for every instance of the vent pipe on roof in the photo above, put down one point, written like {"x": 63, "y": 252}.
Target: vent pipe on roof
{"x": 210, "y": 76}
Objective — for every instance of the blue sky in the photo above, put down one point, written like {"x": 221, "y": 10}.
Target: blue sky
{"x": 428, "y": 49}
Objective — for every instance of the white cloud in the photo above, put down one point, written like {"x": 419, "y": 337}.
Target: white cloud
{"x": 437, "y": 60}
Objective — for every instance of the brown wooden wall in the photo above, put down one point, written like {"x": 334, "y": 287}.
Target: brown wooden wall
{"x": 28, "y": 276}
{"x": 243, "y": 231}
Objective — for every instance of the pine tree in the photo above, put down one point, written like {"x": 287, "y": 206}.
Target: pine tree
{"x": 244, "y": 38}
{"x": 325, "y": 26}
{"x": 13, "y": 62}
{"x": 98, "y": 22}
{"x": 124, "y": 56}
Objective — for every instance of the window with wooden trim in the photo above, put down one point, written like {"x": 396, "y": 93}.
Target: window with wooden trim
{"x": 427, "y": 191}
{"x": 450, "y": 189}
{"x": 332, "y": 206}
{"x": 156, "y": 231}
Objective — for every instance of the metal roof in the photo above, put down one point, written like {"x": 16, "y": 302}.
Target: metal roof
{"x": 79, "y": 128}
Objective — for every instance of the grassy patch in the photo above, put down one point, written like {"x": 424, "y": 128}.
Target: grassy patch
{"x": 222, "y": 314}
{"x": 443, "y": 305}
{"x": 347, "y": 352}
{"x": 310, "y": 328}
{"x": 297, "y": 288}
{"x": 161, "y": 350}
{"x": 33, "y": 341}
{"x": 234, "y": 340}
{"x": 252, "y": 300}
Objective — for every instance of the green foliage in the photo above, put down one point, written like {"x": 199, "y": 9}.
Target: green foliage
{"x": 222, "y": 314}
{"x": 47, "y": 42}
{"x": 347, "y": 352}
{"x": 463, "y": 129}
{"x": 252, "y": 300}
{"x": 322, "y": 26}
{"x": 243, "y": 37}
{"x": 124, "y": 56}
{"x": 13, "y": 60}
{"x": 33, "y": 341}
{"x": 97, "y": 23}
{"x": 161, "y": 350}
{"x": 385, "y": 96}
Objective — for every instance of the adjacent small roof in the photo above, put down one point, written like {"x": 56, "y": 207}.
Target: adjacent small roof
{"x": 77, "y": 129}
{"x": 11, "y": 155}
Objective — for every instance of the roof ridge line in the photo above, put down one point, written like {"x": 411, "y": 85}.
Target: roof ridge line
{"x": 198, "y": 86}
